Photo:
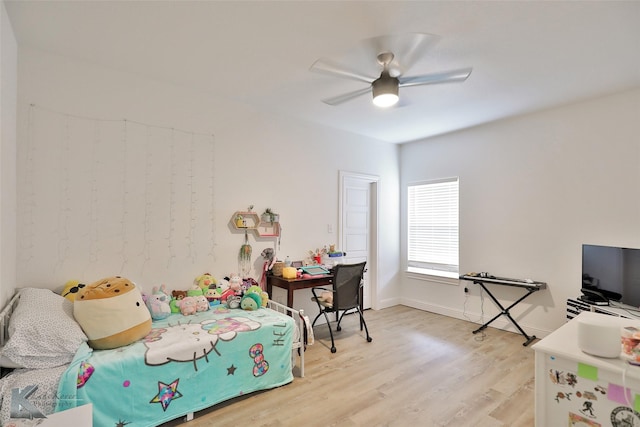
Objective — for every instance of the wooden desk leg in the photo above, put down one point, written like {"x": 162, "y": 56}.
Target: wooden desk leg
{"x": 289, "y": 297}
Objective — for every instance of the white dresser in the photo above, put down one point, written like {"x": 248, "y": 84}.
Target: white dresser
{"x": 573, "y": 388}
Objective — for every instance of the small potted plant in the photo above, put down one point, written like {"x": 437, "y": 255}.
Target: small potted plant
{"x": 269, "y": 216}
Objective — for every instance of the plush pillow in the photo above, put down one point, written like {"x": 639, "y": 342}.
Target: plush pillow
{"x": 42, "y": 331}
{"x": 112, "y": 313}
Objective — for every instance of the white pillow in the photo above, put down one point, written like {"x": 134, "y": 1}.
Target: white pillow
{"x": 42, "y": 331}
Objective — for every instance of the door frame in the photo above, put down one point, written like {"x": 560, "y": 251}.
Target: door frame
{"x": 374, "y": 202}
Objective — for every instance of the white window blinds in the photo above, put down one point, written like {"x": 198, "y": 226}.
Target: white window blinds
{"x": 433, "y": 227}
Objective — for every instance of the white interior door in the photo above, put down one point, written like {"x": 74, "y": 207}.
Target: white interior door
{"x": 358, "y": 210}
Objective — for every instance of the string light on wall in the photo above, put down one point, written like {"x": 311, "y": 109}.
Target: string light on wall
{"x": 192, "y": 202}
{"x": 27, "y": 241}
{"x": 212, "y": 200}
{"x": 148, "y": 167}
{"x": 125, "y": 194}
{"x": 63, "y": 214}
{"x": 172, "y": 199}
{"x": 93, "y": 201}
{"x": 113, "y": 175}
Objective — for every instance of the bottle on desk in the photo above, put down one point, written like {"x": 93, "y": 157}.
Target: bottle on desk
{"x": 287, "y": 261}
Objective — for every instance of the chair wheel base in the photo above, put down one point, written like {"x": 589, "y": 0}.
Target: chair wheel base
{"x": 333, "y": 350}
{"x": 369, "y": 339}
{"x": 339, "y": 328}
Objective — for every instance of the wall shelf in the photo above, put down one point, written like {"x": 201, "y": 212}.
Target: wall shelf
{"x": 268, "y": 229}
{"x": 245, "y": 220}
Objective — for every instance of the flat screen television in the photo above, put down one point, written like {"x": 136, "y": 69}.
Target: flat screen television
{"x": 612, "y": 272}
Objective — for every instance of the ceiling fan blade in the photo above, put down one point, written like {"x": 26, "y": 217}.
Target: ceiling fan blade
{"x": 415, "y": 47}
{"x": 346, "y": 96}
{"x": 436, "y": 78}
{"x": 324, "y": 66}
{"x": 407, "y": 48}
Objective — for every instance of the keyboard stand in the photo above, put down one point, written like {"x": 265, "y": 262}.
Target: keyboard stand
{"x": 530, "y": 286}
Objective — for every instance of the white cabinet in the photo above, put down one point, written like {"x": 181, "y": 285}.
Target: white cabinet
{"x": 573, "y": 388}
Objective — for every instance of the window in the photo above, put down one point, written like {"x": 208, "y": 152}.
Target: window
{"x": 432, "y": 228}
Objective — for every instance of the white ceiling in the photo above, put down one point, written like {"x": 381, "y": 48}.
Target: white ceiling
{"x": 526, "y": 56}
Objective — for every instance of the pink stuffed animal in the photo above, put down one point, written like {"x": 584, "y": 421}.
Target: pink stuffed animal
{"x": 201, "y": 303}
{"x": 235, "y": 283}
{"x": 188, "y": 305}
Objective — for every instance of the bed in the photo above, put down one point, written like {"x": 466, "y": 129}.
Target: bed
{"x": 186, "y": 363}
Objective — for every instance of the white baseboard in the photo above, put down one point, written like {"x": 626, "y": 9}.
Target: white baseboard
{"x": 389, "y": 302}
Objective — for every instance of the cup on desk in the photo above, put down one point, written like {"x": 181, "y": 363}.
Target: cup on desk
{"x": 277, "y": 268}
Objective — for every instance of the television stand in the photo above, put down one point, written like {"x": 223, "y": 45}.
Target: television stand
{"x": 576, "y": 306}
{"x": 593, "y": 301}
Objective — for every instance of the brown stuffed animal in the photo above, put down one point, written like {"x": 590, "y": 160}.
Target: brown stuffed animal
{"x": 178, "y": 294}
{"x": 112, "y": 313}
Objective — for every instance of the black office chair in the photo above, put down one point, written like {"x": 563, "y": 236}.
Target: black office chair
{"x": 346, "y": 293}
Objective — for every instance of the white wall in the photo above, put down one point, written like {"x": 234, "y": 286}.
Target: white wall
{"x": 98, "y": 198}
{"x": 8, "y": 90}
{"x": 533, "y": 189}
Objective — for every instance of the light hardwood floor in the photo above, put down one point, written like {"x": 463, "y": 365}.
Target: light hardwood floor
{"x": 421, "y": 369}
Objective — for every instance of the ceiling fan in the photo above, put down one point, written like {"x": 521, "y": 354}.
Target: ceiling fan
{"x": 385, "y": 87}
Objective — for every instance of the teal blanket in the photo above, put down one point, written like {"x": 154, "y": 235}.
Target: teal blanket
{"x": 185, "y": 364}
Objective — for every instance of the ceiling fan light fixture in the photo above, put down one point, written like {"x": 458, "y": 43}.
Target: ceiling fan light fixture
{"x": 385, "y": 91}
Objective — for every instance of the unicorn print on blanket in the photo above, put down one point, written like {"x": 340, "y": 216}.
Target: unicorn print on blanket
{"x": 188, "y": 342}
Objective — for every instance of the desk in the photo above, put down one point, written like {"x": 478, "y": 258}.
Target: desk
{"x": 530, "y": 286}
{"x": 293, "y": 284}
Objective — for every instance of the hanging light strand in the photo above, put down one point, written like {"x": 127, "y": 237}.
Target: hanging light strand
{"x": 172, "y": 200}
{"x": 125, "y": 192}
{"x": 65, "y": 211}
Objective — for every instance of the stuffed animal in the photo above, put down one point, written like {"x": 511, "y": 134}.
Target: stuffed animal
{"x": 224, "y": 297}
{"x": 164, "y": 290}
{"x": 194, "y": 291}
{"x": 213, "y": 296}
{"x": 175, "y": 297}
{"x": 255, "y": 289}
{"x": 71, "y": 289}
{"x": 158, "y": 304}
{"x": 205, "y": 281}
{"x": 233, "y": 301}
{"x": 251, "y": 301}
{"x": 111, "y": 313}
{"x": 248, "y": 282}
{"x": 223, "y": 284}
{"x": 201, "y": 303}
{"x": 178, "y": 294}
{"x": 264, "y": 297}
{"x": 235, "y": 283}
{"x": 188, "y": 305}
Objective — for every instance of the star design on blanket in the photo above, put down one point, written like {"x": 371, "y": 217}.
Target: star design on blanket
{"x": 231, "y": 370}
{"x": 166, "y": 393}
